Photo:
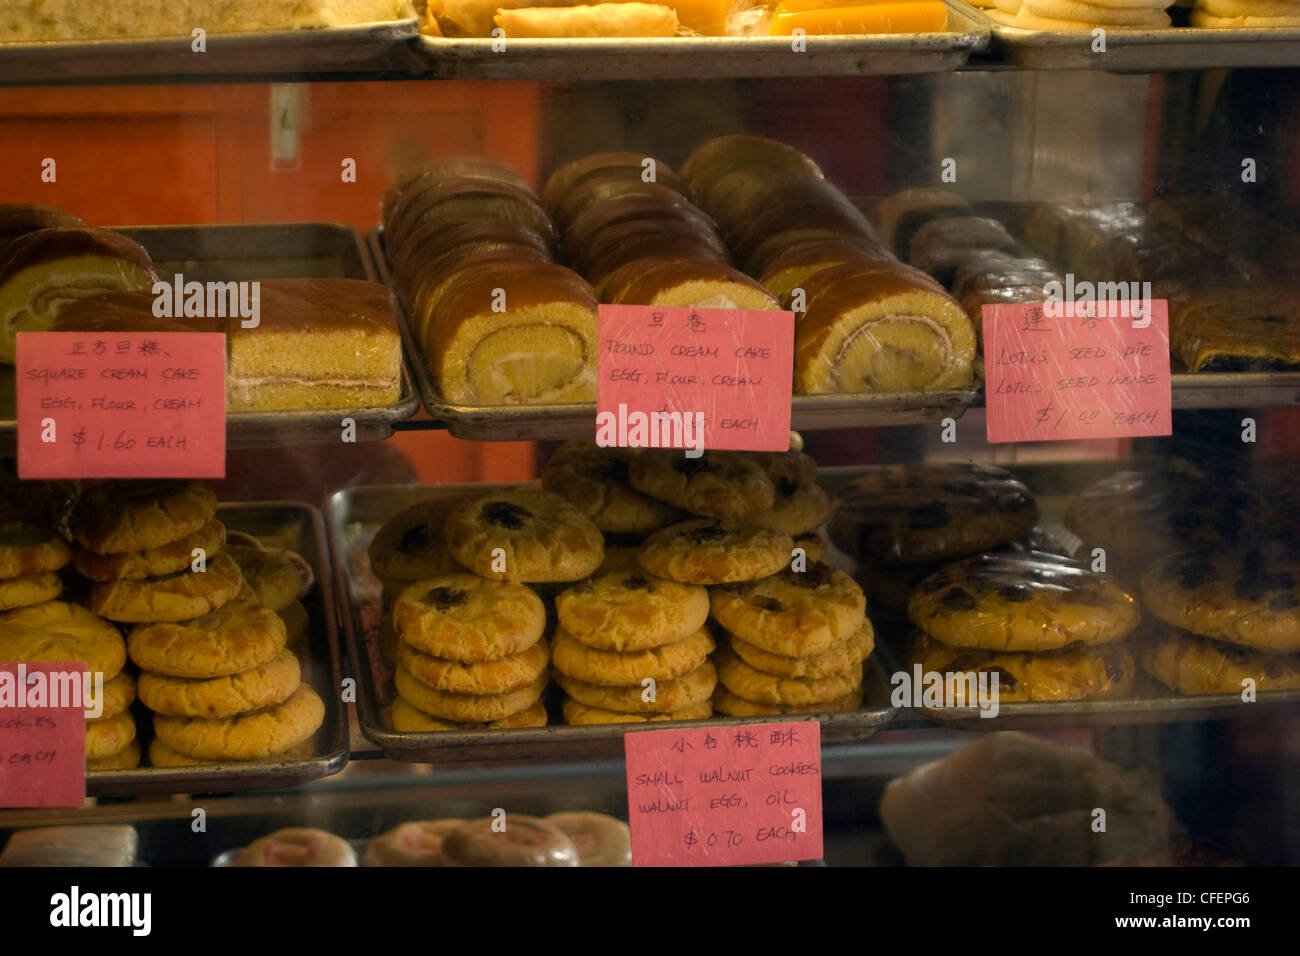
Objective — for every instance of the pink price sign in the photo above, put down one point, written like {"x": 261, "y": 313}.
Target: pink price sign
{"x": 43, "y": 733}
{"x": 1066, "y": 371}
{"x": 694, "y": 378}
{"x": 725, "y": 796}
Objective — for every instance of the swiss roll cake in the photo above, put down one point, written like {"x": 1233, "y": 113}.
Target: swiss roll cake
{"x": 19, "y": 218}
{"x": 626, "y": 165}
{"x": 678, "y": 283}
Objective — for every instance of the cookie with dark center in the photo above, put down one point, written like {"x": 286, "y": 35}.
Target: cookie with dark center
{"x": 525, "y": 535}
{"x": 1189, "y": 664}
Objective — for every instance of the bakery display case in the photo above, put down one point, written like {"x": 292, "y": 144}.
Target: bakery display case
{"x": 421, "y": 613}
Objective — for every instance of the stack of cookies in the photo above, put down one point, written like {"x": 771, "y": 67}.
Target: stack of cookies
{"x": 902, "y": 523}
{"x": 1048, "y": 627}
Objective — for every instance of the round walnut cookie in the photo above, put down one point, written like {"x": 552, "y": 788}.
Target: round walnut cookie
{"x": 835, "y": 660}
{"x": 752, "y": 684}
{"x": 1249, "y": 597}
{"x": 795, "y": 613}
{"x": 500, "y": 676}
{"x": 134, "y": 515}
{"x": 237, "y": 637}
{"x": 1030, "y": 601}
{"x": 465, "y": 707}
{"x": 410, "y": 545}
{"x": 611, "y": 668}
{"x": 1075, "y": 673}
{"x": 411, "y": 720}
{"x": 519, "y": 534}
{"x": 659, "y": 697}
{"x": 715, "y": 552}
{"x": 631, "y": 611}
{"x": 581, "y": 714}
{"x": 462, "y": 617}
{"x": 168, "y": 558}
{"x": 26, "y": 549}
{"x": 595, "y": 479}
{"x": 928, "y": 512}
{"x": 29, "y": 590}
{"x": 1188, "y": 664}
{"x": 277, "y": 576}
{"x": 732, "y": 705}
{"x": 252, "y": 736}
{"x": 263, "y": 686}
{"x": 721, "y": 484}
{"x": 175, "y": 597}
{"x": 58, "y": 631}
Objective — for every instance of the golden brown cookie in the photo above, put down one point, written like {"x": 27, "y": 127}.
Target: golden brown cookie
{"x": 1022, "y": 601}
{"x": 795, "y": 613}
{"x": 618, "y": 558}
{"x": 128, "y": 758}
{"x": 251, "y": 736}
{"x": 296, "y": 621}
{"x": 793, "y": 466}
{"x": 755, "y": 685}
{"x": 814, "y": 544}
{"x": 927, "y": 512}
{"x": 601, "y": 840}
{"x": 518, "y": 534}
{"x": 118, "y": 694}
{"x": 415, "y": 843}
{"x": 500, "y": 676}
{"x": 595, "y": 479}
{"x": 612, "y": 668}
{"x": 476, "y": 708}
{"x": 1075, "y": 673}
{"x": 524, "y": 841}
{"x": 29, "y": 590}
{"x": 408, "y": 719}
{"x": 277, "y": 576}
{"x": 264, "y": 686}
{"x": 1188, "y": 664}
{"x": 838, "y": 659}
{"x": 134, "y": 515}
{"x": 715, "y": 552}
{"x": 631, "y": 611}
{"x": 27, "y": 549}
{"x": 410, "y": 545}
{"x": 165, "y": 559}
{"x": 59, "y": 631}
{"x": 232, "y": 639}
{"x": 720, "y": 484}
{"x": 109, "y": 735}
{"x": 799, "y": 508}
{"x": 1249, "y": 597}
{"x": 664, "y": 696}
{"x": 175, "y": 597}
{"x": 725, "y": 702}
{"x": 462, "y": 617}
{"x": 579, "y": 713}
{"x": 160, "y": 755}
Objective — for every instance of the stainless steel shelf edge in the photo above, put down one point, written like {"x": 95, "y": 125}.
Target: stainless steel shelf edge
{"x": 364, "y": 47}
{"x": 1138, "y": 50}
{"x": 707, "y": 57}
{"x": 578, "y": 420}
{"x": 555, "y": 743}
{"x": 323, "y": 640}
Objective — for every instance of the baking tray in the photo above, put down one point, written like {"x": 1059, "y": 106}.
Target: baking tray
{"x": 259, "y": 251}
{"x": 578, "y": 420}
{"x": 1138, "y": 50}
{"x": 353, "y": 515}
{"x": 1235, "y": 389}
{"x": 324, "y": 674}
{"x": 689, "y": 58}
{"x": 365, "y": 47}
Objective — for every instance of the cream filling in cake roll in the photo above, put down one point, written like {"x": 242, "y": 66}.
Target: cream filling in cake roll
{"x": 882, "y": 328}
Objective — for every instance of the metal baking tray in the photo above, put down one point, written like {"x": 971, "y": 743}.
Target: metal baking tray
{"x": 365, "y": 47}
{"x": 324, "y": 673}
{"x": 246, "y": 252}
{"x": 677, "y": 58}
{"x": 353, "y": 515}
{"x": 578, "y": 420}
{"x": 1235, "y": 389}
{"x": 1138, "y": 50}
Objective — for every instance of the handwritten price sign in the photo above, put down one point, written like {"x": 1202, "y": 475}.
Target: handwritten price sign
{"x": 121, "y": 405}
{"x": 1096, "y": 370}
{"x": 42, "y": 748}
{"x": 725, "y": 796}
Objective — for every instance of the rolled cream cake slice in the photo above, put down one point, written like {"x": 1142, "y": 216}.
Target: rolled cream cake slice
{"x": 675, "y": 283}
{"x": 900, "y": 215}
{"x": 510, "y": 333}
{"x": 416, "y": 178}
{"x": 608, "y": 186}
{"x": 466, "y": 197}
{"x": 721, "y": 155}
{"x": 320, "y": 343}
{"x": 803, "y": 211}
{"x": 883, "y": 327}
{"x": 628, "y": 165}
{"x": 31, "y": 20}
{"x": 19, "y": 218}
{"x": 44, "y": 271}
{"x": 624, "y": 209}
{"x": 438, "y": 276}
{"x": 436, "y": 239}
{"x": 653, "y": 244}
{"x": 797, "y": 263}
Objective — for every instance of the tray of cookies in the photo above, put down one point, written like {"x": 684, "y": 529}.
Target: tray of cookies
{"x": 280, "y": 39}
{"x": 213, "y": 626}
{"x": 1138, "y": 36}
{"x": 325, "y": 346}
{"x": 714, "y": 619}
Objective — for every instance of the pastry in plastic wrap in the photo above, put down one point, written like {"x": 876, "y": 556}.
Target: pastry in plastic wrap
{"x": 631, "y": 165}
{"x": 899, "y": 216}
{"x": 416, "y": 178}
{"x": 811, "y": 209}
{"x": 1255, "y": 245}
{"x": 1235, "y": 328}
{"x": 940, "y": 246}
{"x": 917, "y": 513}
{"x": 514, "y": 333}
{"x": 297, "y": 846}
{"x": 1188, "y": 664}
{"x": 45, "y": 270}
{"x": 601, "y": 840}
{"x": 1010, "y": 799}
{"x": 1028, "y": 601}
{"x": 723, "y": 155}
{"x": 97, "y": 845}
{"x": 667, "y": 205}
{"x": 434, "y": 249}
{"x": 522, "y": 841}
{"x": 883, "y": 327}
{"x": 797, "y": 263}
{"x": 1075, "y": 673}
{"x": 621, "y": 19}
{"x": 612, "y": 248}
{"x": 685, "y": 282}
{"x": 417, "y": 843}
